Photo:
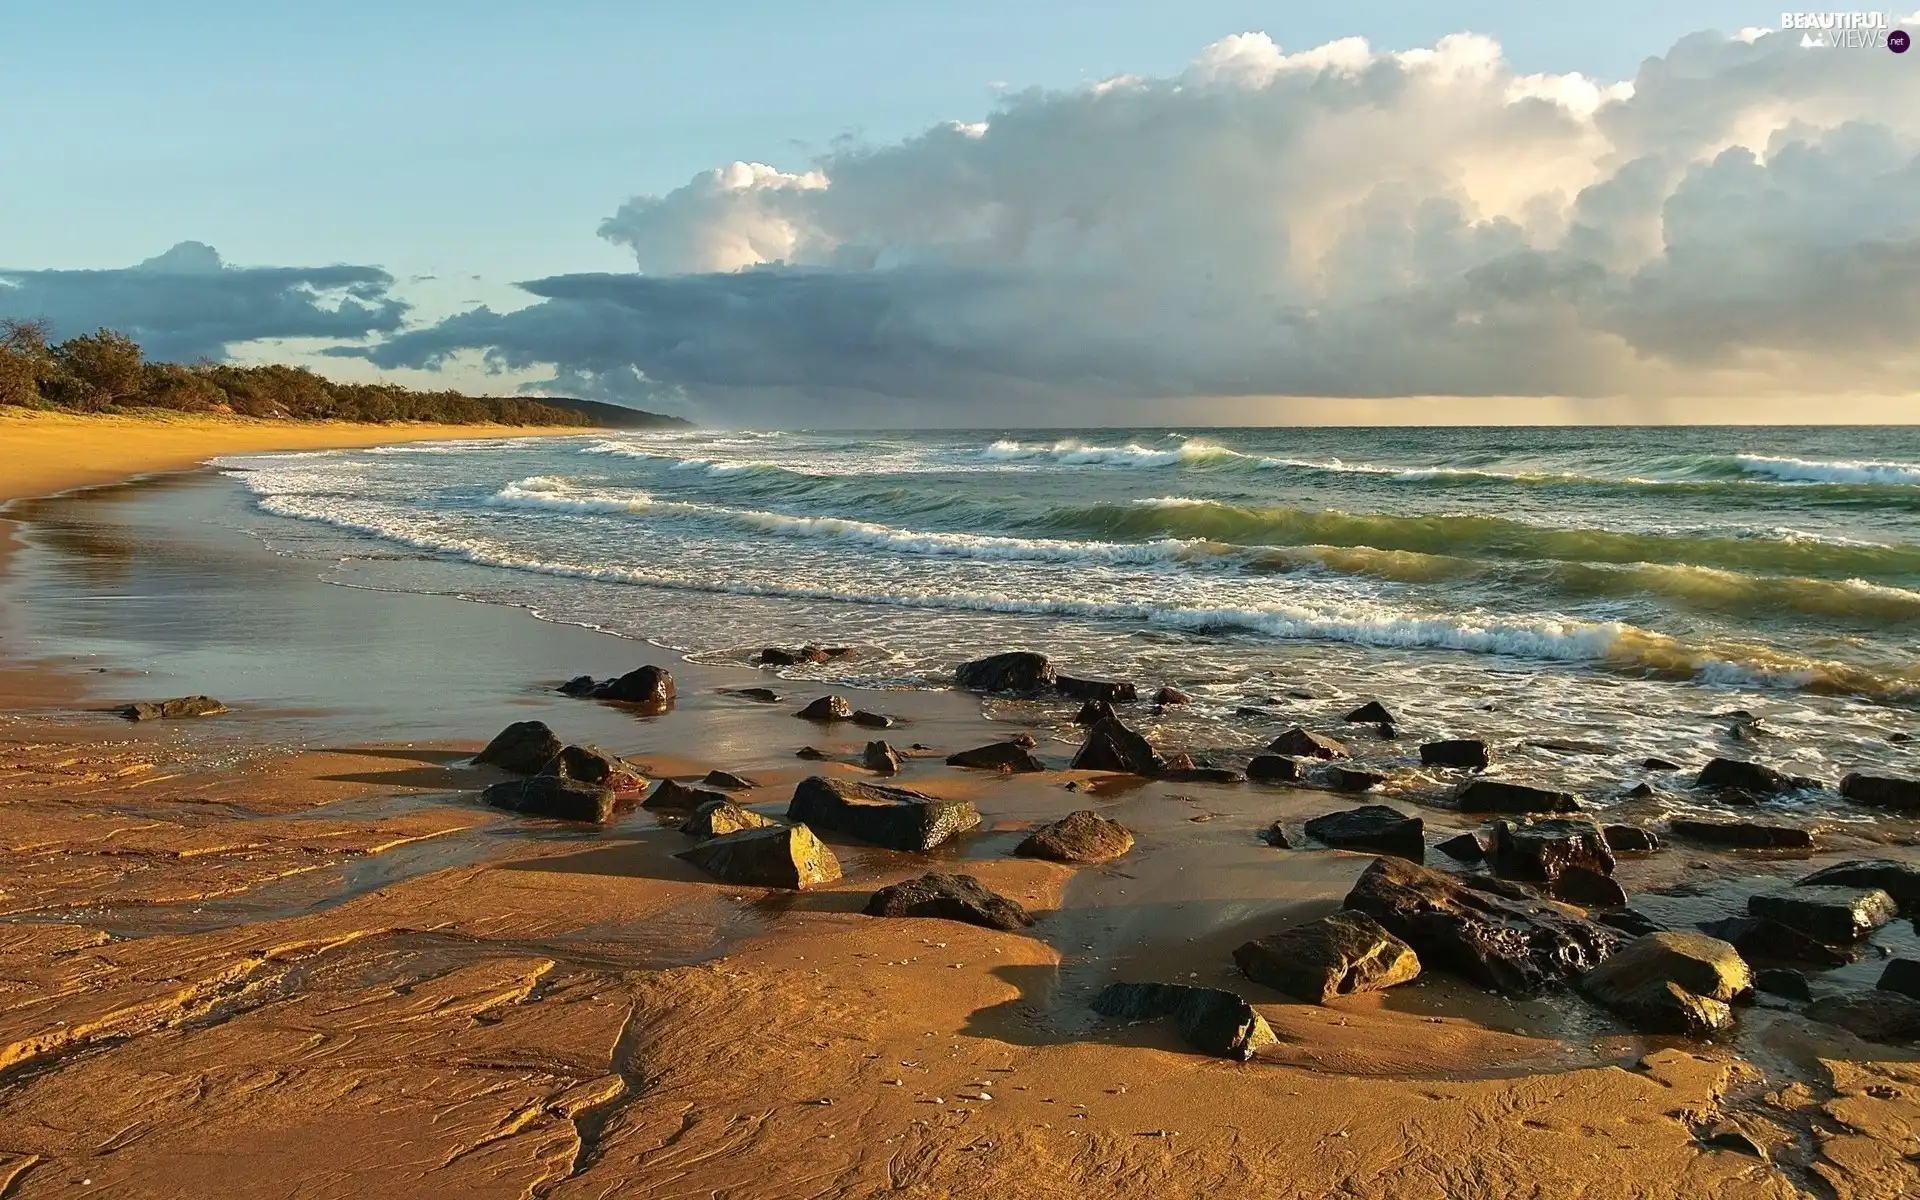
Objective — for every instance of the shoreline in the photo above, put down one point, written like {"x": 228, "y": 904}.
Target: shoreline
{"x": 378, "y": 886}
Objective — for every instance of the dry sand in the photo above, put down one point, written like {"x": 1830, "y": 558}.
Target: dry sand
{"x": 283, "y": 953}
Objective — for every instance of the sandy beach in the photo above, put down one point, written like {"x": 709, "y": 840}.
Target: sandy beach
{"x": 286, "y": 951}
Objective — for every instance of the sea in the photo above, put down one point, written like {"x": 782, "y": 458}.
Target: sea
{"x": 1636, "y": 591}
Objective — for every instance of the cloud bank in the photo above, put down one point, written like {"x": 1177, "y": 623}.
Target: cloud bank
{"x": 186, "y": 304}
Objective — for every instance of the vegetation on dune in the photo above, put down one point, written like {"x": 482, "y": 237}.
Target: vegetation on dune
{"x": 105, "y": 372}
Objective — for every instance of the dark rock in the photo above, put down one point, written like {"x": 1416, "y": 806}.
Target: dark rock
{"x": 1352, "y": 779}
{"x": 1468, "y": 753}
{"x": 811, "y": 754}
{"x": 718, "y": 818}
{"x": 1203, "y": 775}
{"x": 948, "y": 898}
{"x": 1763, "y": 941}
{"x": 1898, "y": 738}
{"x": 1639, "y": 791}
{"x": 827, "y": 708}
{"x": 1629, "y": 921}
{"x": 1169, "y": 696}
{"x": 1902, "y": 975}
{"x": 885, "y": 816}
{"x": 1572, "y": 746}
{"x": 1745, "y": 834}
{"x": 177, "y": 709}
{"x": 1746, "y": 731}
{"x": 1079, "y": 837}
{"x": 871, "y": 720}
{"x": 1371, "y": 827}
{"x": 1336, "y": 955}
{"x": 1512, "y": 945}
{"x": 1274, "y": 768}
{"x": 1249, "y": 710}
{"x": 1835, "y": 915}
{"x": 1017, "y": 671}
{"x": 1212, "y": 1020}
{"x": 1660, "y": 764}
{"x": 671, "y": 797}
{"x": 780, "y": 856}
{"x": 1897, "y": 879}
{"x": 1495, "y": 796}
{"x": 649, "y": 686}
{"x": 579, "y": 685}
{"x": 1588, "y": 888}
{"x": 552, "y": 796}
{"x": 1111, "y": 746}
{"x": 776, "y": 656}
{"x": 1736, "y": 775}
{"x": 758, "y": 695}
{"x": 1783, "y": 981}
{"x": 1113, "y": 691}
{"x": 1025, "y": 741}
{"x": 1882, "y": 791}
{"x": 1388, "y": 733}
{"x": 1465, "y": 848}
{"x": 1540, "y": 850}
{"x": 590, "y": 764}
{"x": 522, "y": 747}
{"x": 1275, "y": 835}
{"x": 1672, "y": 983}
{"x": 1372, "y": 713}
{"x": 1737, "y": 714}
{"x": 1875, "y": 1016}
{"x": 1298, "y": 743}
{"x": 1630, "y": 839}
{"x": 999, "y": 756}
{"x": 1093, "y": 712}
{"x": 880, "y": 758}
{"x": 727, "y": 781}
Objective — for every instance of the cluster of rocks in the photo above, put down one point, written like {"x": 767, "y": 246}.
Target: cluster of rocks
{"x": 560, "y": 781}
{"x": 812, "y": 653}
{"x": 647, "y": 687}
{"x": 831, "y": 708}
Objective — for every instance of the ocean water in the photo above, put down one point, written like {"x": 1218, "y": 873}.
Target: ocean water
{"x": 1625, "y": 585}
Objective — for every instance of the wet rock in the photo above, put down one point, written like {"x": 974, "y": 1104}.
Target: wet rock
{"x": 1275, "y": 835}
{"x": 1200, "y": 774}
{"x": 1737, "y": 775}
{"x": 1902, "y": 975}
{"x": 1672, "y": 983}
{"x": 1111, "y": 746}
{"x": 579, "y": 685}
{"x": 827, "y": 708}
{"x": 1015, "y": 671}
{"x": 1748, "y": 835}
{"x": 671, "y": 797}
{"x": 811, "y": 754}
{"x": 781, "y": 856}
{"x": 1079, "y": 837}
{"x": 522, "y": 747}
{"x": 1372, "y": 713}
{"x": 1659, "y": 764}
{"x": 1336, "y": 955}
{"x": 776, "y": 656}
{"x": 648, "y": 686}
{"x": 1466, "y": 848}
{"x": 1274, "y": 768}
{"x": 1093, "y": 712}
{"x": 552, "y": 796}
{"x": 948, "y": 898}
{"x": 1630, "y": 921}
{"x": 1588, "y": 888}
{"x": 1497, "y": 796}
{"x": 1388, "y": 733}
{"x": 1025, "y": 741}
{"x": 1835, "y": 915}
{"x": 1764, "y": 941}
{"x": 590, "y": 764}
{"x": 1467, "y": 753}
{"x": 999, "y": 756}
{"x": 718, "y": 818}
{"x": 727, "y": 781}
{"x": 1882, "y": 791}
{"x": 1373, "y": 827}
{"x": 871, "y": 720}
{"x": 1353, "y": 779}
{"x": 1113, "y": 691}
{"x": 1746, "y": 731}
{"x": 880, "y": 758}
{"x": 1572, "y": 746}
{"x": 1875, "y": 1016}
{"x": 1212, "y": 1020}
{"x": 757, "y": 694}
{"x": 1630, "y": 839}
{"x": 1512, "y": 944}
{"x": 1169, "y": 696}
{"x": 1541, "y": 850}
{"x": 1897, "y": 879}
{"x": 177, "y": 709}
{"x": 1298, "y": 743}
{"x": 1639, "y": 791}
{"x": 1783, "y": 981}
{"x": 885, "y": 816}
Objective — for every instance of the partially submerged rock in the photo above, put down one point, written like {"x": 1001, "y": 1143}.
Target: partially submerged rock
{"x": 880, "y": 758}
{"x": 672, "y": 797}
{"x": 1748, "y": 835}
{"x": 1212, "y": 1020}
{"x": 1544, "y": 849}
{"x": 949, "y": 898}
{"x": 1298, "y": 743}
{"x": 758, "y": 695}
{"x": 648, "y": 687}
{"x": 1882, "y": 791}
{"x": 1015, "y": 671}
{"x": 1353, "y": 779}
{"x": 1203, "y": 774}
{"x": 997, "y": 756}
{"x": 1372, "y": 713}
{"x": 1763, "y": 941}
{"x": 1079, "y": 837}
{"x": 1875, "y": 1016}
{"x": 1336, "y": 955}
{"x": 885, "y": 816}
{"x": 553, "y": 796}
{"x": 781, "y": 856}
{"x": 177, "y": 709}
{"x": 1588, "y": 888}
{"x": 1507, "y": 942}
{"x": 1499, "y": 796}
{"x": 1466, "y": 848}
{"x": 1466, "y": 753}
{"x": 1169, "y": 696}
{"x": 871, "y": 720}
{"x": 590, "y": 764}
{"x": 1113, "y": 691}
{"x": 1738, "y": 775}
{"x": 1111, "y": 746}
{"x": 1835, "y": 915}
{"x": 718, "y": 818}
{"x": 1373, "y": 827}
{"x": 1274, "y": 768}
{"x": 522, "y": 747}
{"x": 1672, "y": 983}
{"x": 1902, "y": 975}
{"x": 727, "y": 781}
{"x": 1093, "y": 712}
{"x": 1630, "y": 839}
{"x": 827, "y": 708}
{"x": 812, "y": 754}
{"x": 1897, "y": 879}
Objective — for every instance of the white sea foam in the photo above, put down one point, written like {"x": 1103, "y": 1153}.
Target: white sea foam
{"x": 1811, "y": 470}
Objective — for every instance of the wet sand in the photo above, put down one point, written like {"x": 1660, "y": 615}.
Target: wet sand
{"x": 238, "y": 945}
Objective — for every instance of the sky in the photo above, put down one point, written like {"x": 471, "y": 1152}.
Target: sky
{"x": 929, "y": 213}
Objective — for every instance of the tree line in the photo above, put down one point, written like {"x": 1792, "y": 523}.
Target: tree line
{"x": 105, "y": 372}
